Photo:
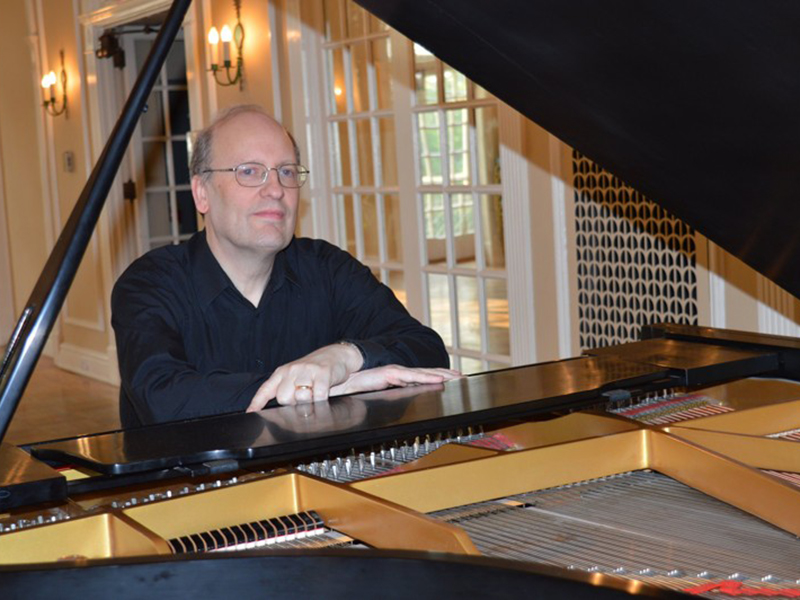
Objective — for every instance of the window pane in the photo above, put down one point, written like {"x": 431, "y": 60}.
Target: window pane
{"x": 369, "y": 219}
{"x": 397, "y": 282}
{"x": 155, "y": 163}
{"x": 341, "y": 154}
{"x": 388, "y": 152}
{"x": 458, "y": 145}
{"x": 439, "y": 305}
{"x": 356, "y": 17}
{"x": 153, "y": 117}
{"x": 471, "y": 365}
{"x": 187, "y": 215}
{"x": 425, "y": 76}
{"x": 358, "y": 56}
{"x": 433, "y": 214}
{"x": 455, "y": 85}
{"x": 494, "y": 252}
{"x": 430, "y": 153}
{"x": 180, "y": 162}
{"x": 463, "y": 229}
{"x": 488, "y": 145}
{"x": 347, "y": 224}
{"x": 479, "y": 92}
{"x": 179, "y": 112}
{"x": 366, "y": 170}
{"x": 496, "y": 366}
{"x": 394, "y": 240}
{"x": 339, "y": 91}
{"x": 176, "y": 64}
{"x": 154, "y": 245}
{"x": 158, "y": 215}
{"x": 333, "y": 20}
{"x": 142, "y": 49}
{"x": 469, "y": 316}
{"x": 381, "y": 58}
{"x": 497, "y": 316}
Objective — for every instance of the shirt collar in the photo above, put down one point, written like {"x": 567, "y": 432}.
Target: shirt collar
{"x": 210, "y": 280}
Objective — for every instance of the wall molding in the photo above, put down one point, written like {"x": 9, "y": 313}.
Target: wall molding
{"x": 517, "y": 207}
{"x": 716, "y": 285}
{"x": 561, "y": 196}
{"x": 775, "y": 308}
{"x": 97, "y": 365}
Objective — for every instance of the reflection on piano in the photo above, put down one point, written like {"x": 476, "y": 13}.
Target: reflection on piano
{"x": 668, "y": 464}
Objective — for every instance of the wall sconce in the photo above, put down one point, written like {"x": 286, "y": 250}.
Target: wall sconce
{"x": 225, "y": 73}
{"x": 49, "y": 83}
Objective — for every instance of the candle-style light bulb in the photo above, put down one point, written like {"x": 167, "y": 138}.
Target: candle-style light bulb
{"x": 51, "y": 83}
{"x": 213, "y": 41}
{"x": 226, "y": 35}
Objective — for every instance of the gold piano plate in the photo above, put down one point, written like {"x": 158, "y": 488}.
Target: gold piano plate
{"x": 100, "y": 536}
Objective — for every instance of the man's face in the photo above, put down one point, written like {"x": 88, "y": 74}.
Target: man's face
{"x": 243, "y": 220}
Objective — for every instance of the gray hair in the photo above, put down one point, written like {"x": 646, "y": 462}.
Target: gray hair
{"x": 201, "y": 148}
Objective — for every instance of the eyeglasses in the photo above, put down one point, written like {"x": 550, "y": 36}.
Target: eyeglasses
{"x": 255, "y": 174}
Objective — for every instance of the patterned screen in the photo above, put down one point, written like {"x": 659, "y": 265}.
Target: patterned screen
{"x": 636, "y": 262}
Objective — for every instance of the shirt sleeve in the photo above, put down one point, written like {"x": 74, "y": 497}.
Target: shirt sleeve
{"x": 369, "y": 315}
{"x": 159, "y": 383}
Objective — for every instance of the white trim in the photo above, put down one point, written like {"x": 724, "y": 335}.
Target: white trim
{"x": 44, "y": 134}
{"x": 194, "y": 51}
{"x": 278, "y": 39}
{"x": 561, "y": 196}
{"x": 411, "y": 217}
{"x": 99, "y": 243}
{"x": 716, "y": 285}
{"x": 97, "y": 365}
{"x": 97, "y": 325}
{"x": 211, "y": 84}
{"x": 95, "y": 14}
{"x": 775, "y": 309}
{"x": 703, "y": 280}
{"x": 517, "y": 227}
{"x": 309, "y": 123}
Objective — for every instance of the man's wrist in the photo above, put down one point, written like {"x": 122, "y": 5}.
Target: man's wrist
{"x": 359, "y": 355}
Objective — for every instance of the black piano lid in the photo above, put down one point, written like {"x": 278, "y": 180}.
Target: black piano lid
{"x": 695, "y": 104}
{"x": 293, "y": 431}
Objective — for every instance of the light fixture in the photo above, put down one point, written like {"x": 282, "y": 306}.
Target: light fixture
{"x": 49, "y": 85}
{"x": 225, "y": 73}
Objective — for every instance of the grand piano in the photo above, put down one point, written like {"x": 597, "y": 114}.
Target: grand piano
{"x": 663, "y": 466}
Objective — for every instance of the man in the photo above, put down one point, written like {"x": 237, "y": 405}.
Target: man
{"x": 244, "y": 313}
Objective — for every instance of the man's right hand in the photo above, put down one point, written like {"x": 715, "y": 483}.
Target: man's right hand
{"x": 310, "y": 378}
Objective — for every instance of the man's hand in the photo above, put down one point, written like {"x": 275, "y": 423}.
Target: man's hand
{"x": 381, "y": 378}
{"x": 309, "y": 379}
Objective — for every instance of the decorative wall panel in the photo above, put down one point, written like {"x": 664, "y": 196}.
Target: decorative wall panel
{"x": 636, "y": 262}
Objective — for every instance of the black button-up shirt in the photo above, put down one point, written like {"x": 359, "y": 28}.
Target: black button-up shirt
{"x": 190, "y": 345}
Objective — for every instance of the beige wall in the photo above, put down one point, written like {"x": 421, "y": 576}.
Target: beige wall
{"x": 21, "y": 178}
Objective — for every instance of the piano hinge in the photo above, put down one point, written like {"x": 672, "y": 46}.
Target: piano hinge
{"x": 212, "y": 467}
{"x": 129, "y": 190}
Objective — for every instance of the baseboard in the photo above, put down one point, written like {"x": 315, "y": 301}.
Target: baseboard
{"x": 90, "y": 363}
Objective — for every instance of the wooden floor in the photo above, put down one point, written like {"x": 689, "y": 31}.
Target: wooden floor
{"x": 59, "y": 404}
